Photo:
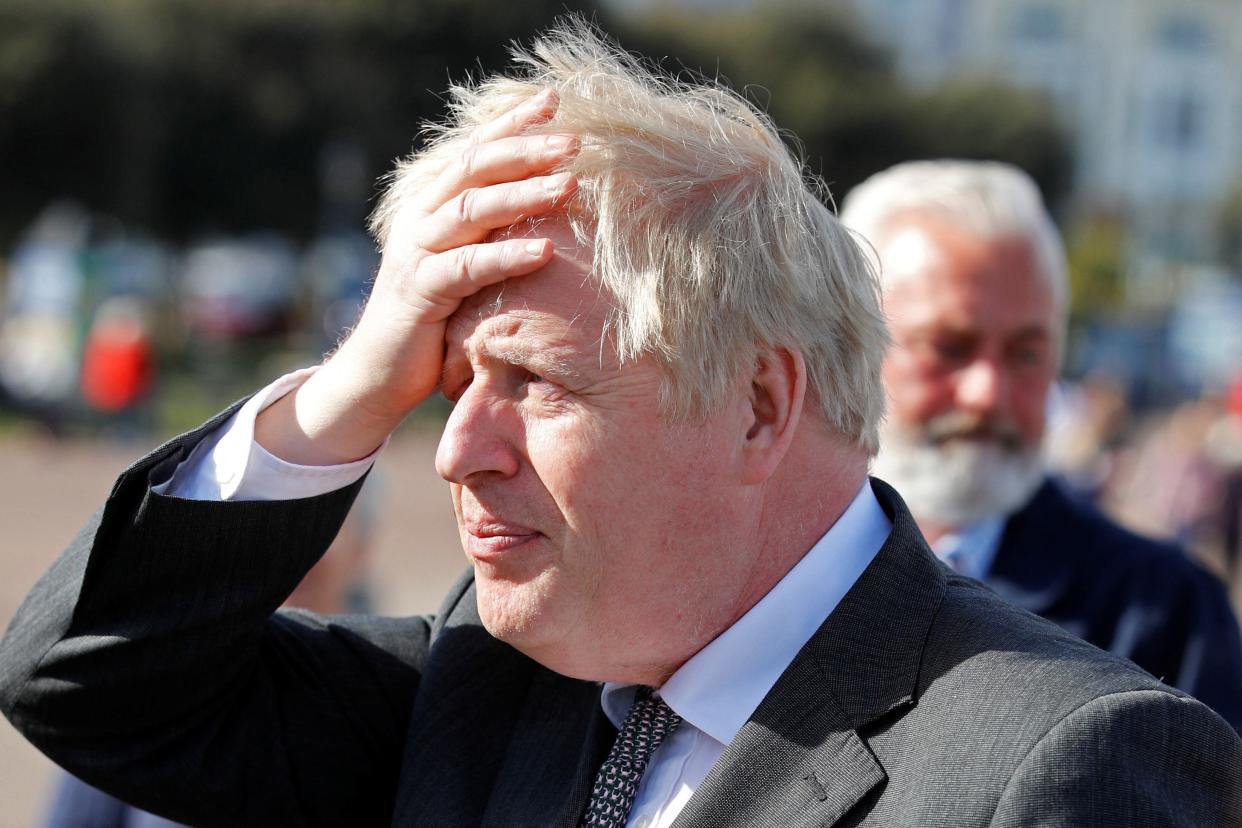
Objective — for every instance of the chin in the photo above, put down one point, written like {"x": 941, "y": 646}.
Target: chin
{"x": 526, "y": 617}
{"x": 512, "y": 612}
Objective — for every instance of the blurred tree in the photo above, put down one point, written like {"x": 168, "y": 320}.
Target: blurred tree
{"x": 181, "y": 116}
{"x": 1095, "y": 247}
{"x": 185, "y": 115}
{"x": 1229, "y": 231}
{"x": 819, "y": 78}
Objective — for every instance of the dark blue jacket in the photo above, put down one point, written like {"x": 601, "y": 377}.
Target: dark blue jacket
{"x": 1139, "y": 598}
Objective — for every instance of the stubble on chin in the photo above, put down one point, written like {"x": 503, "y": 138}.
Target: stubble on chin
{"x": 520, "y": 613}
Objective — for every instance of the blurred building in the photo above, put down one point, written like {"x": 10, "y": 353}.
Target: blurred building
{"x": 1149, "y": 88}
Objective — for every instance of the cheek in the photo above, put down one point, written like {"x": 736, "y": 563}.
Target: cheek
{"x": 622, "y": 486}
{"x": 573, "y": 461}
{"x": 1030, "y": 408}
{"x": 915, "y": 392}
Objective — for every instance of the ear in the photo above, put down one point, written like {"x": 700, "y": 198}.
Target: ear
{"x": 777, "y": 393}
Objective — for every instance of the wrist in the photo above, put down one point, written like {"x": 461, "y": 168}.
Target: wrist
{"x": 323, "y": 422}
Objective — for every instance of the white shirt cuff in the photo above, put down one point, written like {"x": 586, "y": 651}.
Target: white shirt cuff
{"x": 228, "y": 464}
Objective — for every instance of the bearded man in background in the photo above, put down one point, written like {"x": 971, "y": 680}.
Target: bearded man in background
{"x": 975, "y": 289}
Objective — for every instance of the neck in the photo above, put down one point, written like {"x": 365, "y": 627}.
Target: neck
{"x": 814, "y": 486}
{"x": 787, "y": 514}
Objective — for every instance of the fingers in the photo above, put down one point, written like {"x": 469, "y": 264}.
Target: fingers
{"x": 469, "y": 216}
{"x": 449, "y": 277}
{"x": 496, "y": 162}
{"x": 538, "y": 109}
{"x": 436, "y": 253}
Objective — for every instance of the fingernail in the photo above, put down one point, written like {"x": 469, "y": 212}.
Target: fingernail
{"x": 541, "y": 98}
{"x": 556, "y": 183}
{"x": 535, "y": 248}
{"x": 560, "y": 141}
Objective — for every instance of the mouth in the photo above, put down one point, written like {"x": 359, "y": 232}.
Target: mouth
{"x": 490, "y": 542}
{"x": 1006, "y": 439}
{"x": 981, "y": 438}
{"x": 978, "y": 436}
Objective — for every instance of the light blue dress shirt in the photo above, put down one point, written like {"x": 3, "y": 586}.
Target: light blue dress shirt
{"x": 718, "y": 689}
{"x": 972, "y": 550}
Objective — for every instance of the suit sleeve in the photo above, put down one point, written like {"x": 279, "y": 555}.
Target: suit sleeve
{"x": 151, "y": 661}
{"x": 1134, "y": 759}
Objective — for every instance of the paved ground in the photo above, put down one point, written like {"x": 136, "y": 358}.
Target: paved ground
{"x": 47, "y": 490}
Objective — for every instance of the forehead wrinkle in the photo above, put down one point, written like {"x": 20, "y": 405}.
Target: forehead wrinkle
{"x": 500, "y": 337}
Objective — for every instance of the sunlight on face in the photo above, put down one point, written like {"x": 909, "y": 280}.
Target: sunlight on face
{"x": 597, "y": 529}
{"x": 974, "y": 354}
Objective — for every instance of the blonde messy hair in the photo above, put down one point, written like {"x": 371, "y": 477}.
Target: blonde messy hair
{"x": 709, "y": 234}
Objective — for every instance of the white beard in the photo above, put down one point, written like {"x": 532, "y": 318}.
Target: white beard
{"x": 958, "y": 481}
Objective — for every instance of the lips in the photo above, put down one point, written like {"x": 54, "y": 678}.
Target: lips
{"x": 490, "y": 539}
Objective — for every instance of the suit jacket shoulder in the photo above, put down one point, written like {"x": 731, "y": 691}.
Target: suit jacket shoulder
{"x": 1015, "y": 717}
{"x": 925, "y": 699}
{"x": 1140, "y": 598}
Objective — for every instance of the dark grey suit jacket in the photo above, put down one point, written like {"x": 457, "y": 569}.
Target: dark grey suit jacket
{"x": 1139, "y": 598}
{"x": 150, "y": 661}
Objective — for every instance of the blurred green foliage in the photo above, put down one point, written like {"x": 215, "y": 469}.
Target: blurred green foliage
{"x": 824, "y": 82}
{"x": 1096, "y": 252}
{"x": 1229, "y": 230}
{"x": 184, "y": 116}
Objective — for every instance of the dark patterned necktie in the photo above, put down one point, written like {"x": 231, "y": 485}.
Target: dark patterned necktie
{"x": 646, "y": 725}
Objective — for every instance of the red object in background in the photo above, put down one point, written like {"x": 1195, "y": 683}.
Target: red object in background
{"x": 116, "y": 365}
{"x": 1234, "y": 400}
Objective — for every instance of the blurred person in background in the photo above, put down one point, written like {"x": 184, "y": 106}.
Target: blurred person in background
{"x": 118, "y": 364}
{"x": 40, "y": 316}
{"x": 975, "y": 290}
{"x": 1088, "y": 423}
{"x": 1225, "y": 446}
{"x": 1181, "y": 479}
{"x": 336, "y": 584}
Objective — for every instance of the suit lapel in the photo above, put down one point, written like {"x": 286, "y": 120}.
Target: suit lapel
{"x": 1035, "y": 562}
{"x": 560, "y": 741}
{"x": 469, "y": 698}
{"x": 531, "y": 739}
{"x": 802, "y": 758}
{"x": 791, "y": 765}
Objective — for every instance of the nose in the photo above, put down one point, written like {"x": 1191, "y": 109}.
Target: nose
{"x": 982, "y": 386}
{"x": 481, "y": 437}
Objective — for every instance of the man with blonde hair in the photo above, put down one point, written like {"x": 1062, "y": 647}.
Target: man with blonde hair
{"x": 687, "y": 603}
{"x": 975, "y": 287}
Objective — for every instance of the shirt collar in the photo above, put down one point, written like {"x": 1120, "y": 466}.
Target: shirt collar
{"x": 719, "y": 688}
{"x": 972, "y": 549}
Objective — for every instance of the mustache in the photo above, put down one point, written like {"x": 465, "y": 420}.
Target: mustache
{"x": 961, "y": 425}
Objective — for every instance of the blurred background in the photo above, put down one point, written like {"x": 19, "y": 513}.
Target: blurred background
{"x": 184, "y": 185}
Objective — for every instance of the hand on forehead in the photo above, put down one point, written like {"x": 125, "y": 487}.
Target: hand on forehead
{"x": 564, "y": 287}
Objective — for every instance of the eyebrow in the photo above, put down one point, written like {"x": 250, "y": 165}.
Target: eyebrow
{"x": 1033, "y": 332}
{"x": 556, "y": 361}
{"x": 550, "y": 360}
{"x": 931, "y": 330}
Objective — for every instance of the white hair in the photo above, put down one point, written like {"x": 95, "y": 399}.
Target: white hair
{"x": 712, "y": 238}
{"x": 988, "y": 199}
{"x": 958, "y": 482}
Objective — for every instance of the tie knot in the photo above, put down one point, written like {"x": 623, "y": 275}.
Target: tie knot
{"x": 650, "y": 719}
